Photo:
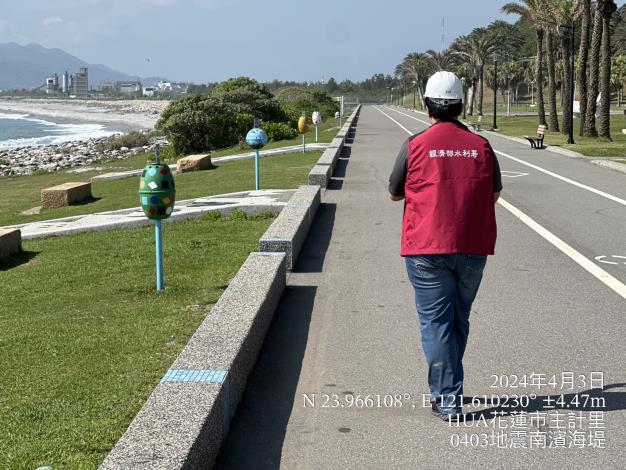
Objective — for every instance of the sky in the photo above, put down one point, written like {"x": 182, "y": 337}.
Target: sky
{"x": 212, "y": 40}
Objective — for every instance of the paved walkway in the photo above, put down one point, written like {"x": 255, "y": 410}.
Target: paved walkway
{"x": 248, "y": 201}
{"x": 347, "y": 325}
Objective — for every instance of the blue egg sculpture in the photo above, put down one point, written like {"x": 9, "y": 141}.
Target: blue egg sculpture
{"x": 256, "y": 138}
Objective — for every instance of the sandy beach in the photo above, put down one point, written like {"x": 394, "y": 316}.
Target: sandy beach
{"x": 120, "y": 115}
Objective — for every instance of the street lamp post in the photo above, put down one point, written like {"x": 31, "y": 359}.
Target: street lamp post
{"x": 414, "y": 93}
{"x": 392, "y": 96}
{"x": 495, "y": 92}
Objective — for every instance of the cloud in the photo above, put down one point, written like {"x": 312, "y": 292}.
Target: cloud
{"x": 52, "y": 20}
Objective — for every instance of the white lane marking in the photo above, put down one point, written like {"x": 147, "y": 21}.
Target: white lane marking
{"x": 389, "y": 117}
{"x": 592, "y": 268}
{"x": 547, "y": 172}
{"x": 513, "y": 174}
{"x": 583, "y": 261}
{"x": 601, "y": 259}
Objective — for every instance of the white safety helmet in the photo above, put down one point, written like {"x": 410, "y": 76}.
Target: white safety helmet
{"x": 444, "y": 88}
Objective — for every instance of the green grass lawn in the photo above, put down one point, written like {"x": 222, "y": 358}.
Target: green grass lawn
{"x": 527, "y": 125}
{"x": 23, "y": 192}
{"x": 84, "y": 338}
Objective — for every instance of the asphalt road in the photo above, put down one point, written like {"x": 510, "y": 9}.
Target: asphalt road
{"x": 346, "y": 336}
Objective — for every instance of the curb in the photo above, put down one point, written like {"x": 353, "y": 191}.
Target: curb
{"x": 611, "y": 165}
{"x": 290, "y": 229}
{"x": 187, "y": 416}
{"x": 321, "y": 173}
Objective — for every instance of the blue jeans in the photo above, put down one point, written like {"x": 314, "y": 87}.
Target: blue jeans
{"x": 445, "y": 288}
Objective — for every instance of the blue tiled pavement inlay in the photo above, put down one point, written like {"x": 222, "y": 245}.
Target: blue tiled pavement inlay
{"x": 208, "y": 376}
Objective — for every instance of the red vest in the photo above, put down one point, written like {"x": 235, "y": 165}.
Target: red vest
{"x": 449, "y": 193}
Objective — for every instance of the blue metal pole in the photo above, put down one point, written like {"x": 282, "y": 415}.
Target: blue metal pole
{"x": 257, "y": 170}
{"x": 303, "y": 143}
{"x": 315, "y": 132}
{"x": 159, "y": 253}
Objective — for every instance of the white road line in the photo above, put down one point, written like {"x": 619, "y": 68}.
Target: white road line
{"x": 543, "y": 170}
{"x": 389, "y": 117}
{"x": 583, "y": 261}
{"x": 592, "y": 268}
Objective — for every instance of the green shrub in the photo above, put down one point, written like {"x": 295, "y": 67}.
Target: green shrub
{"x": 279, "y": 131}
{"x": 294, "y": 100}
{"x": 249, "y": 97}
{"x": 168, "y": 153}
{"x": 196, "y": 123}
{"x": 238, "y": 214}
{"x": 213, "y": 215}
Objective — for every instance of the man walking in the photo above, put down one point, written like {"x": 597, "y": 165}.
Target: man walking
{"x": 450, "y": 179}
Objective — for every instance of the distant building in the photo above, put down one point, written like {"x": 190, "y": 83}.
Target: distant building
{"x": 149, "y": 91}
{"x": 122, "y": 87}
{"x": 66, "y": 83}
{"x": 52, "y": 85}
{"x": 173, "y": 88}
{"x": 131, "y": 88}
{"x": 80, "y": 83}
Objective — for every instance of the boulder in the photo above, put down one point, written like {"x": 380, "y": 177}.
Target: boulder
{"x": 194, "y": 163}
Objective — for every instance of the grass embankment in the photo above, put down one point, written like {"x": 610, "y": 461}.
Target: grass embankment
{"x": 24, "y": 192}
{"x": 527, "y": 125}
{"x": 84, "y": 338}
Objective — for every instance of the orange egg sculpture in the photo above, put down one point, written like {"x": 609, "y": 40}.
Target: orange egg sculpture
{"x": 302, "y": 126}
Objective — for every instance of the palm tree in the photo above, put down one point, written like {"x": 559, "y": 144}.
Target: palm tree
{"x": 533, "y": 11}
{"x": 416, "y": 67}
{"x": 445, "y": 60}
{"x": 476, "y": 48}
{"x": 553, "y": 124}
{"x": 606, "y": 8}
{"x": 583, "y": 58}
{"x": 618, "y": 76}
{"x": 594, "y": 74}
{"x": 561, "y": 14}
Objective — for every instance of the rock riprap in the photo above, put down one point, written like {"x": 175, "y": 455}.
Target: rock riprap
{"x": 51, "y": 158}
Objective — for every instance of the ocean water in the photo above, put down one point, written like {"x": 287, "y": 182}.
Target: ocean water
{"x": 21, "y": 130}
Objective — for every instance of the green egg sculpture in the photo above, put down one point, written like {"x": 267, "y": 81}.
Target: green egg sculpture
{"x": 157, "y": 191}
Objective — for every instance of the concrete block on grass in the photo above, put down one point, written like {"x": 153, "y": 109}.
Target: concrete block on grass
{"x": 10, "y": 242}
{"x": 65, "y": 194}
{"x": 185, "y": 420}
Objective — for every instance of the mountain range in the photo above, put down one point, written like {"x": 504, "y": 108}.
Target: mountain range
{"x": 28, "y": 66}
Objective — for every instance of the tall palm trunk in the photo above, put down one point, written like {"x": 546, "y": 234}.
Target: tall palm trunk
{"x": 583, "y": 55}
{"x": 541, "y": 109}
{"x": 553, "y": 125}
{"x": 608, "y": 8}
{"x": 566, "y": 89}
{"x": 481, "y": 88}
{"x": 594, "y": 75}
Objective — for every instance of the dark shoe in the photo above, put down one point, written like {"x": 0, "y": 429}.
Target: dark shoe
{"x": 448, "y": 417}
